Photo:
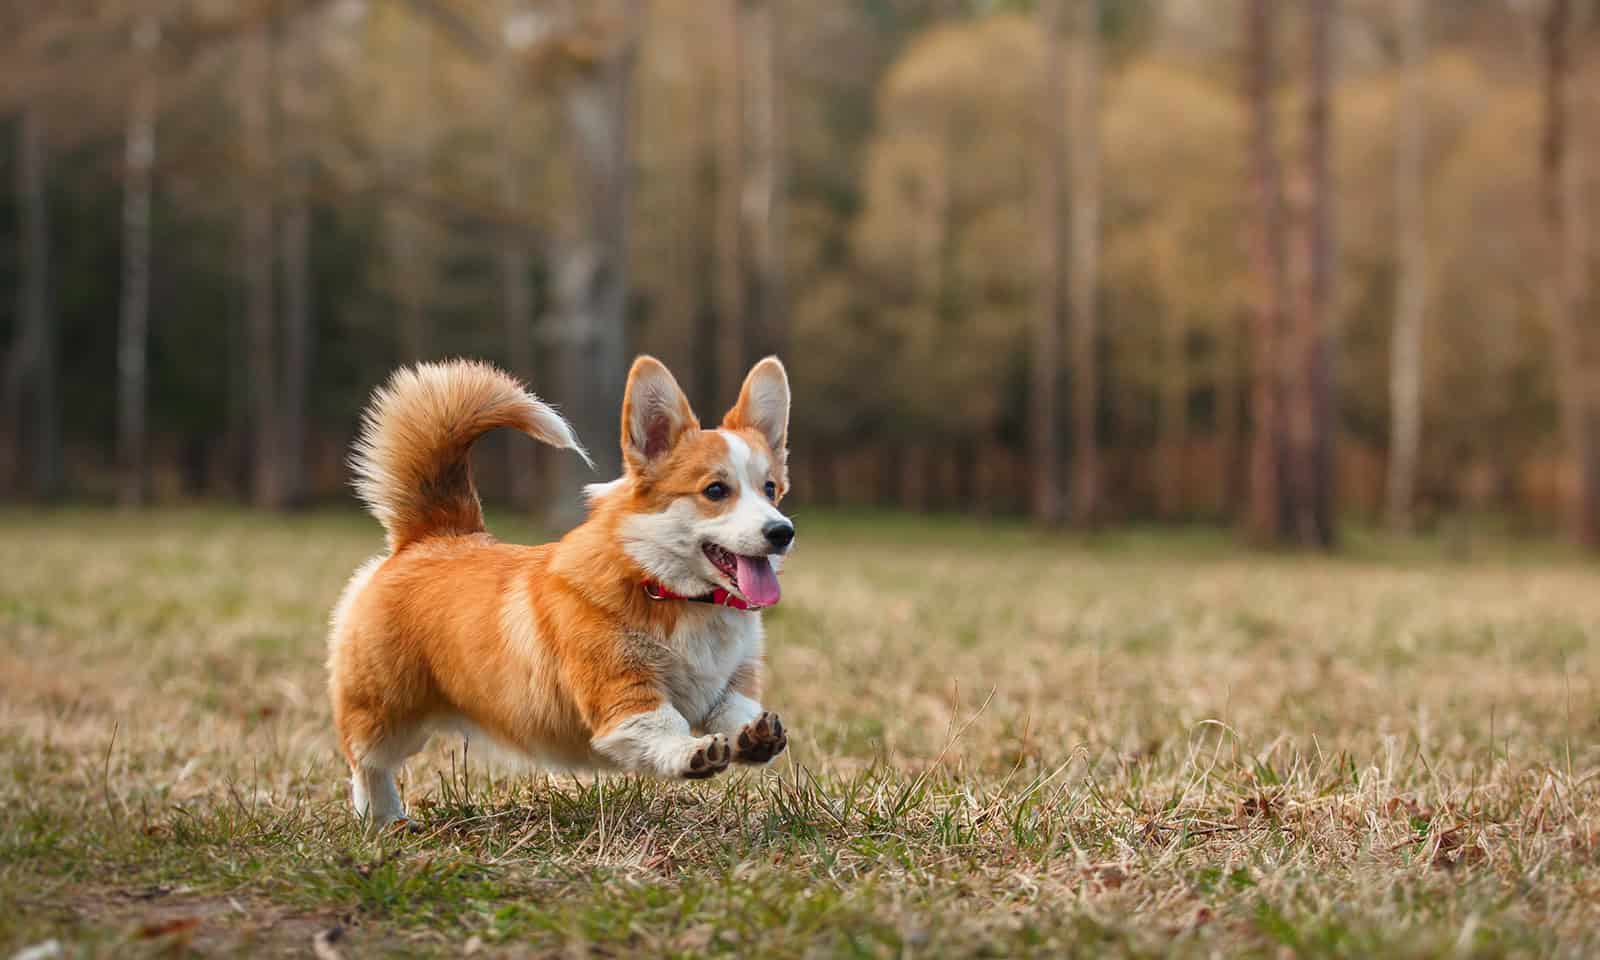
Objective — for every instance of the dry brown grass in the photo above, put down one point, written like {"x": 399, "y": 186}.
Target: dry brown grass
{"x": 1002, "y": 744}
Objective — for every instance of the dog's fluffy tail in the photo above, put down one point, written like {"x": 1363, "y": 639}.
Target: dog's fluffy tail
{"x": 410, "y": 461}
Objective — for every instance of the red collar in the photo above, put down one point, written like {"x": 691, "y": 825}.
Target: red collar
{"x": 719, "y": 596}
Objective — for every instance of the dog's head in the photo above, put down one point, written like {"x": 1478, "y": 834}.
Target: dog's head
{"x": 701, "y": 510}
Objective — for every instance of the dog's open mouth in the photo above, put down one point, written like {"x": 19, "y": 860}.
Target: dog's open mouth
{"x": 753, "y": 577}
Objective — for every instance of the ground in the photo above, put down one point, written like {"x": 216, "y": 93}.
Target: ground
{"x": 1001, "y": 743}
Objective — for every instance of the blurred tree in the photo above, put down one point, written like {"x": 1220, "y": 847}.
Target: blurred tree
{"x": 752, "y": 186}
{"x": 589, "y": 263}
{"x": 518, "y": 31}
{"x": 1270, "y": 249}
{"x": 1084, "y": 277}
{"x": 1044, "y": 374}
{"x": 133, "y": 342}
{"x": 1567, "y": 272}
{"x": 33, "y": 402}
{"x": 733, "y": 330}
{"x": 256, "y": 87}
{"x": 295, "y": 52}
{"x": 1312, "y": 426}
{"x": 1293, "y": 469}
{"x": 761, "y": 176}
{"x": 1411, "y": 256}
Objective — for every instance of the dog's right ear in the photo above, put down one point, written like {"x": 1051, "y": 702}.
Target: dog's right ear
{"x": 655, "y": 413}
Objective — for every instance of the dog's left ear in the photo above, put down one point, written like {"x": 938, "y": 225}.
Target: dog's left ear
{"x": 655, "y": 413}
{"x": 764, "y": 406}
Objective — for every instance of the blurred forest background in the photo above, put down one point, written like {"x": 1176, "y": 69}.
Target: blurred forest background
{"x": 1274, "y": 263}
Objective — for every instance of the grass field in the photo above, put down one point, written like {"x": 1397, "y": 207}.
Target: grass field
{"x": 1001, "y": 744}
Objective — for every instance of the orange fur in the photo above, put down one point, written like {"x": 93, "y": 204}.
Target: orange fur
{"x": 555, "y": 649}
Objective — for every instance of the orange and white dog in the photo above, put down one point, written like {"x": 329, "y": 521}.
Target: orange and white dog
{"x": 634, "y": 643}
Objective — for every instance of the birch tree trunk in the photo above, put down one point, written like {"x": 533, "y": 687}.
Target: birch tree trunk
{"x": 139, "y": 154}
{"x": 590, "y": 264}
{"x": 1411, "y": 295}
{"x": 1084, "y": 277}
{"x": 1567, "y": 283}
{"x": 1044, "y": 427}
{"x": 514, "y": 253}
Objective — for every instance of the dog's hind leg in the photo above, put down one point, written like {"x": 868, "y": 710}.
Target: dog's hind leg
{"x": 373, "y": 792}
{"x": 375, "y": 796}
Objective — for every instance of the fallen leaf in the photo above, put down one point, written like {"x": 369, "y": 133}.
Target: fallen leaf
{"x": 1106, "y": 876}
{"x": 168, "y": 928}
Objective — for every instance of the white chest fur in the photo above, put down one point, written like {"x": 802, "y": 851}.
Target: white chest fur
{"x": 705, "y": 651}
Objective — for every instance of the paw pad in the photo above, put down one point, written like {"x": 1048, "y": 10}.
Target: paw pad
{"x": 761, "y": 739}
{"x": 709, "y": 759}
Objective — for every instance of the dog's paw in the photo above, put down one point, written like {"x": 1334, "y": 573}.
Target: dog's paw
{"x": 709, "y": 758}
{"x": 760, "y": 740}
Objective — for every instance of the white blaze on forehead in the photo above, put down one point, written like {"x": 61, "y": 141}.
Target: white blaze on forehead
{"x": 750, "y": 466}
{"x": 742, "y": 528}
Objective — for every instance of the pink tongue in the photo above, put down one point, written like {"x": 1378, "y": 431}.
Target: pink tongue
{"x": 757, "y": 581}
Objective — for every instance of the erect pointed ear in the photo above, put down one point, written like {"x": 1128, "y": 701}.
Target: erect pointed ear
{"x": 655, "y": 413}
{"x": 764, "y": 405}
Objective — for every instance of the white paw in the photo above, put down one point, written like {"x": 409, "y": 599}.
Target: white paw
{"x": 706, "y": 757}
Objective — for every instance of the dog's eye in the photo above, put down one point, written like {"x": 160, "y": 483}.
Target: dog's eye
{"x": 716, "y": 491}
{"x": 772, "y": 490}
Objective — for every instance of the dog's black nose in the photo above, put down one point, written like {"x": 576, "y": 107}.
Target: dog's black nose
{"x": 780, "y": 535}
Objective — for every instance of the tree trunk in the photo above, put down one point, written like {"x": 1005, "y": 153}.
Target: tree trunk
{"x": 297, "y": 336}
{"x": 1567, "y": 282}
{"x": 732, "y": 333}
{"x": 751, "y": 185}
{"x": 515, "y": 255}
{"x": 1230, "y": 407}
{"x": 256, "y": 116}
{"x": 704, "y": 381}
{"x": 1269, "y": 253}
{"x": 296, "y": 84}
{"x": 1315, "y": 521}
{"x": 517, "y": 305}
{"x": 32, "y": 402}
{"x": 1174, "y": 416}
{"x": 406, "y": 223}
{"x": 590, "y": 264}
{"x": 1411, "y": 295}
{"x": 1084, "y": 277}
{"x": 762, "y": 191}
{"x": 1044, "y": 427}
{"x": 139, "y": 156}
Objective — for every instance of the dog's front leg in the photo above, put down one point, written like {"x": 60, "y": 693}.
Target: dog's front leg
{"x": 658, "y": 743}
{"x": 757, "y": 734}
